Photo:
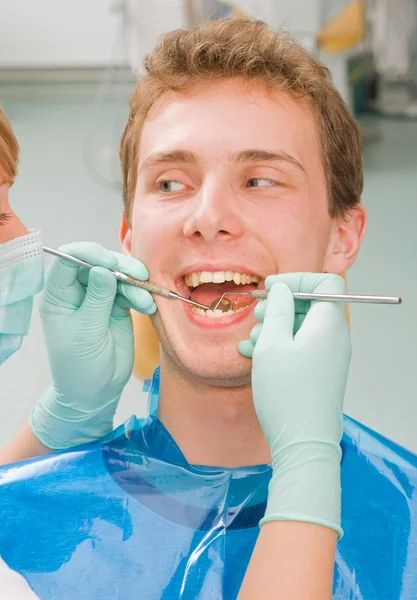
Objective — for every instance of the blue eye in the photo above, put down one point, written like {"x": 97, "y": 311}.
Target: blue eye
{"x": 255, "y": 182}
{"x": 170, "y": 185}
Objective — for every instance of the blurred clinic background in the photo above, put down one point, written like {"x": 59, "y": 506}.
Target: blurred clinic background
{"x": 66, "y": 70}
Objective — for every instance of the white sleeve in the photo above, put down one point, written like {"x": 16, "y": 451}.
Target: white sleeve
{"x": 13, "y": 585}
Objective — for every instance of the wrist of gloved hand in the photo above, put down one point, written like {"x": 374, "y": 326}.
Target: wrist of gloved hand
{"x": 61, "y": 426}
{"x": 305, "y": 485}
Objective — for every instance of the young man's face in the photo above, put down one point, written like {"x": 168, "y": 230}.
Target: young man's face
{"x": 230, "y": 183}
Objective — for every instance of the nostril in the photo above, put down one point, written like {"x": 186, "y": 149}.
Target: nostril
{"x": 224, "y": 232}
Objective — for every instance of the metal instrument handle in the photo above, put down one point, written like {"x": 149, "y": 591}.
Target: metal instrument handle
{"x": 153, "y": 288}
{"x": 262, "y": 294}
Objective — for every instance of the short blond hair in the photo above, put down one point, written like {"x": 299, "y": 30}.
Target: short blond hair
{"x": 231, "y": 48}
{"x": 9, "y": 151}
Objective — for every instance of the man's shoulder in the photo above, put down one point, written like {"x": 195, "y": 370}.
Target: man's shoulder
{"x": 360, "y": 440}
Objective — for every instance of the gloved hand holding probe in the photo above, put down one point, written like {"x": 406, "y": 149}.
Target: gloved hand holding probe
{"x": 298, "y": 383}
{"x": 89, "y": 337}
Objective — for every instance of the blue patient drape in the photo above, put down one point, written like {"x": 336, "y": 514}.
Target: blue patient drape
{"x": 130, "y": 516}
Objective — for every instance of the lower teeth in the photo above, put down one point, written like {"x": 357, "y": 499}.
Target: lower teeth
{"x": 215, "y": 314}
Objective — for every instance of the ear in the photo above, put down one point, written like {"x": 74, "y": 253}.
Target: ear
{"x": 125, "y": 235}
{"x": 345, "y": 241}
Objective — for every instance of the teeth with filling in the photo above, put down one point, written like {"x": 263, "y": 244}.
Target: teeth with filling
{"x": 215, "y": 314}
{"x": 196, "y": 279}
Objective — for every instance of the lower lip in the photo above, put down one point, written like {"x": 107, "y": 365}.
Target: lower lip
{"x": 218, "y": 322}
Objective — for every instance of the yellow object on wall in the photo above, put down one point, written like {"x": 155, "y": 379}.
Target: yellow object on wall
{"x": 344, "y": 31}
{"x": 147, "y": 345}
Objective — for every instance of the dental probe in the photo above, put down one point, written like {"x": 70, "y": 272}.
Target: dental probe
{"x": 263, "y": 294}
{"x": 152, "y": 288}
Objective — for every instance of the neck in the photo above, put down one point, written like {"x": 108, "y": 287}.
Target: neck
{"x": 212, "y": 426}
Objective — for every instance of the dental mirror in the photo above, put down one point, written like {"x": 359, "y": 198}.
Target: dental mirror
{"x": 222, "y": 304}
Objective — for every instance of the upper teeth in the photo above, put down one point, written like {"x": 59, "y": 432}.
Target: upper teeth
{"x": 195, "y": 279}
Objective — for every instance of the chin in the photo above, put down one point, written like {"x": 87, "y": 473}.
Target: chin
{"x": 216, "y": 367}
{"x": 221, "y": 376}
{"x": 227, "y": 377}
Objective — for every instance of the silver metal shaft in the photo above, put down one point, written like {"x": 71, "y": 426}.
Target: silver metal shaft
{"x": 263, "y": 294}
{"x": 152, "y": 288}
{"x": 176, "y": 296}
{"x": 60, "y": 254}
{"x": 349, "y": 298}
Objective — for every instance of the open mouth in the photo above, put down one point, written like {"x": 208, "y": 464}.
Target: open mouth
{"x": 206, "y": 287}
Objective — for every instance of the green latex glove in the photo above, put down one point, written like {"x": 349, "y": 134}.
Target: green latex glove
{"x": 298, "y": 384}
{"x": 89, "y": 337}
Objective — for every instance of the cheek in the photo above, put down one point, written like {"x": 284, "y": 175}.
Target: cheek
{"x": 283, "y": 225}
{"x": 154, "y": 231}
{"x": 296, "y": 237}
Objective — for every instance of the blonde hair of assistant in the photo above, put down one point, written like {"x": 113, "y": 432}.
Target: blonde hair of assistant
{"x": 9, "y": 151}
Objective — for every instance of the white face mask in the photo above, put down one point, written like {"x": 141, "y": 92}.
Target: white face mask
{"x": 21, "y": 278}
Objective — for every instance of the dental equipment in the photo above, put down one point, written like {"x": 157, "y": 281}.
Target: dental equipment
{"x": 224, "y": 304}
{"x": 152, "y": 288}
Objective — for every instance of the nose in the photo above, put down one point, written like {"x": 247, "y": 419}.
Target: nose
{"x": 213, "y": 215}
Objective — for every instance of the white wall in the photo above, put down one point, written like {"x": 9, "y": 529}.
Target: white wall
{"x": 89, "y": 33}
{"x": 59, "y": 33}
{"x": 382, "y": 389}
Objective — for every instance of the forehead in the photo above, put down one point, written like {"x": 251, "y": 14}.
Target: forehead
{"x": 218, "y": 119}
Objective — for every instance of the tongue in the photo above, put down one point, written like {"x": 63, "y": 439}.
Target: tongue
{"x": 206, "y": 293}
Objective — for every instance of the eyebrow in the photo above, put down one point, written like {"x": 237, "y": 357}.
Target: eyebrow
{"x": 258, "y": 155}
{"x": 174, "y": 156}
{"x": 250, "y": 155}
